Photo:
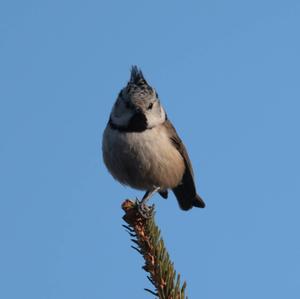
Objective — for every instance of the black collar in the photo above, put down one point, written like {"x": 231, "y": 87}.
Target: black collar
{"x": 138, "y": 123}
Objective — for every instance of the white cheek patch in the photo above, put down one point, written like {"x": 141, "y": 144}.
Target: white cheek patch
{"x": 155, "y": 118}
{"x": 121, "y": 118}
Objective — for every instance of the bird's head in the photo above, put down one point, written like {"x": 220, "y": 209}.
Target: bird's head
{"x": 137, "y": 107}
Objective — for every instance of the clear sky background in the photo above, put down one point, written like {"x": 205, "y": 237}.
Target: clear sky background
{"x": 228, "y": 74}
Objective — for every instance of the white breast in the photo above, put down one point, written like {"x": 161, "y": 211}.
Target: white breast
{"x": 143, "y": 160}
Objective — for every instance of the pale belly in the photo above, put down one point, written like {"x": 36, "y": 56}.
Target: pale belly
{"x": 143, "y": 160}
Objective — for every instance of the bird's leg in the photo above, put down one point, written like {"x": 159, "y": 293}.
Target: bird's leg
{"x": 144, "y": 210}
{"x": 149, "y": 194}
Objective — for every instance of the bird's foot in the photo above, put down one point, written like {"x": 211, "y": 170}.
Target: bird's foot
{"x": 144, "y": 210}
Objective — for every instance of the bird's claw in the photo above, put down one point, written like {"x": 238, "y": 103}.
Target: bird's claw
{"x": 144, "y": 210}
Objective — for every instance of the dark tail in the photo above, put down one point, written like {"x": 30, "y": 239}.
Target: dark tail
{"x": 198, "y": 202}
{"x": 186, "y": 194}
{"x": 186, "y": 202}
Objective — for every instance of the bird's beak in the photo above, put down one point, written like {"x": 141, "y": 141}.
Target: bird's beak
{"x": 138, "y": 110}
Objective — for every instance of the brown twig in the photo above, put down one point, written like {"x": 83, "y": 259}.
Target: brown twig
{"x": 148, "y": 242}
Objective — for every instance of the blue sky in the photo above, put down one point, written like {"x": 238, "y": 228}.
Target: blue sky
{"x": 228, "y": 74}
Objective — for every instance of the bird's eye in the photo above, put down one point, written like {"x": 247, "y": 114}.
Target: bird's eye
{"x": 150, "y": 106}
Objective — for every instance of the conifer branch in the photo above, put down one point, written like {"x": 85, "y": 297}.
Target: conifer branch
{"x": 147, "y": 241}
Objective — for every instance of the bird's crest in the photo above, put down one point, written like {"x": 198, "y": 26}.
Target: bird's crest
{"x": 137, "y": 76}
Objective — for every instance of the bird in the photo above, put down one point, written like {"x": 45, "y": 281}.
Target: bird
{"x": 142, "y": 149}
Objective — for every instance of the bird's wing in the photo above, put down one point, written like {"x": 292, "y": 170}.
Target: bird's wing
{"x": 177, "y": 142}
{"x": 186, "y": 191}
